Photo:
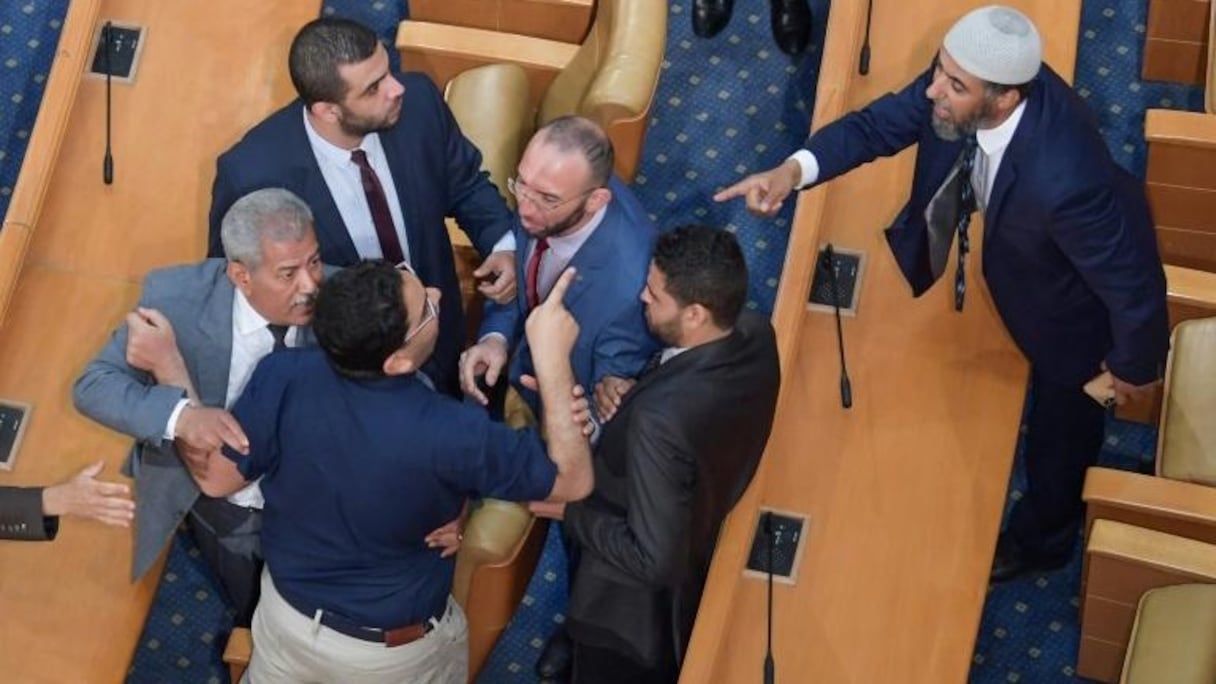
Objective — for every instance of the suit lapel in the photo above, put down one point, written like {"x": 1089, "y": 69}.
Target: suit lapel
{"x": 331, "y": 229}
{"x": 596, "y": 254}
{"x": 1008, "y": 171}
{"x": 407, "y": 197}
{"x": 215, "y": 354}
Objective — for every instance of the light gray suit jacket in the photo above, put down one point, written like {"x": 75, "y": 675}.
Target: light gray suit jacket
{"x": 197, "y": 300}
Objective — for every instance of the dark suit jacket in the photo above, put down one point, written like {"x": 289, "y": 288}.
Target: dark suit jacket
{"x": 1070, "y": 254}
{"x": 669, "y": 466}
{"x": 436, "y": 171}
{"x": 613, "y": 338}
{"x": 21, "y": 515}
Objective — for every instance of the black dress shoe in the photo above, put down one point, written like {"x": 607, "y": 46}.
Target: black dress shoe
{"x": 557, "y": 659}
{"x": 1011, "y": 561}
{"x": 791, "y": 25}
{"x": 709, "y": 17}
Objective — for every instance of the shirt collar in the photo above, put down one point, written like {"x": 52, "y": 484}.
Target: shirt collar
{"x": 565, "y": 246}
{"x": 993, "y": 140}
{"x": 328, "y": 151}
{"x": 245, "y": 319}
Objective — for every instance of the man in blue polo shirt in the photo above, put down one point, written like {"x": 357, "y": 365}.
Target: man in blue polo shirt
{"x": 360, "y": 459}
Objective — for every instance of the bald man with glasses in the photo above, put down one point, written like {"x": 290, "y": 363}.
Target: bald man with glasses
{"x": 571, "y": 212}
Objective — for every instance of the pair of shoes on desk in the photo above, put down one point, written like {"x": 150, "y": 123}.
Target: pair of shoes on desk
{"x": 791, "y": 21}
{"x": 557, "y": 659}
{"x": 1012, "y": 561}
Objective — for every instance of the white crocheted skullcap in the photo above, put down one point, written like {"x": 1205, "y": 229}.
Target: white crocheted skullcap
{"x": 997, "y": 44}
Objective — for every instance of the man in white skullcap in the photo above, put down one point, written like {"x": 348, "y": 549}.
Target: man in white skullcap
{"x": 1069, "y": 252}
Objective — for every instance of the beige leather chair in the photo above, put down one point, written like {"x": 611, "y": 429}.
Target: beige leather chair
{"x": 610, "y": 78}
{"x": 1174, "y": 637}
{"x": 1164, "y": 527}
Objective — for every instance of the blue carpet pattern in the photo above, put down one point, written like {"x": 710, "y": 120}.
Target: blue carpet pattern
{"x": 725, "y": 107}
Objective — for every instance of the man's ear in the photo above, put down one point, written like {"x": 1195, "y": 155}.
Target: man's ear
{"x": 696, "y": 316}
{"x": 240, "y": 276}
{"x": 399, "y": 363}
{"x": 598, "y": 198}
{"x": 325, "y": 111}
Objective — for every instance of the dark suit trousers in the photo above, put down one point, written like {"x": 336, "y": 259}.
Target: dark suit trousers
{"x": 593, "y": 665}
{"x": 230, "y": 539}
{"x": 1064, "y": 435}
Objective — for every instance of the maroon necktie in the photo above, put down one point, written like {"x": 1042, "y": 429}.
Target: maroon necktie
{"x": 542, "y": 245}
{"x": 390, "y": 246}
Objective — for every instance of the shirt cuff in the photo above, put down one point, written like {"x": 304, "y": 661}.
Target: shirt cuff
{"x": 809, "y": 165}
{"x": 171, "y": 424}
{"x": 500, "y": 336}
{"x": 506, "y": 243}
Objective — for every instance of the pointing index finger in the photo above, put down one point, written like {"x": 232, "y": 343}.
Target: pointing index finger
{"x": 559, "y": 288}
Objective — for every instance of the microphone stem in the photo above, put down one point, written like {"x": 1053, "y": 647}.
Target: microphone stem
{"x": 846, "y": 387}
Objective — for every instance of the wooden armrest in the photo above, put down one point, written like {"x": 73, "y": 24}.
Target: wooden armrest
{"x": 1190, "y": 286}
{"x": 1193, "y": 129}
{"x": 1164, "y": 552}
{"x": 1182, "y": 508}
{"x": 443, "y": 51}
{"x": 237, "y": 652}
{"x": 487, "y": 47}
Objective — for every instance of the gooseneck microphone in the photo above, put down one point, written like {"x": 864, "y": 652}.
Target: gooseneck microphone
{"x": 107, "y": 165}
{"x": 863, "y": 62}
{"x": 829, "y": 263}
{"x": 770, "y": 668}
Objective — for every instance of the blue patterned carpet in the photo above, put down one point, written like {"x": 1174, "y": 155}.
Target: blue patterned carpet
{"x": 725, "y": 107}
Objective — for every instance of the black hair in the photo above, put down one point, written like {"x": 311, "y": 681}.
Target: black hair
{"x": 705, "y": 266}
{"x": 360, "y": 318}
{"x": 319, "y": 49}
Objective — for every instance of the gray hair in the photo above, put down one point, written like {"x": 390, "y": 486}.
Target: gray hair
{"x": 272, "y": 214}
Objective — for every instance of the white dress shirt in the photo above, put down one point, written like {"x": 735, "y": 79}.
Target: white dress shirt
{"x": 251, "y": 341}
{"x": 345, "y": 184}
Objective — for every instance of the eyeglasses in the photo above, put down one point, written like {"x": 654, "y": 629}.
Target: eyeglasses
{"x": 431, "y": 312}
{"x": 548, "y": 204}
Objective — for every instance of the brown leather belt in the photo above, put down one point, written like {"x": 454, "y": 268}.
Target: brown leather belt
{"x": 398, "y": 636}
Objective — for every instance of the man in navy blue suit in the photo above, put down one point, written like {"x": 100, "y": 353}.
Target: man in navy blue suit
{"x": 1069, "y": 250}
{"x": 572, "y": 212}
{"x": 381, "y": 162}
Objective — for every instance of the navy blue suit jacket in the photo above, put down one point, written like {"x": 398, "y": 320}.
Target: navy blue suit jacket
{"x": 1070, "y": 255}
{"x": 436, "y": 171}
{"x": 613, "y": 338}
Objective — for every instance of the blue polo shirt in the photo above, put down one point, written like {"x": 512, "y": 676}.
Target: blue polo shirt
{"x": 357, "y": 472}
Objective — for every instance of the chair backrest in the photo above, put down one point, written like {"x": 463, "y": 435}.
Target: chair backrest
{"x": 613, "y": 76}
{"x": 1187, "y": 442}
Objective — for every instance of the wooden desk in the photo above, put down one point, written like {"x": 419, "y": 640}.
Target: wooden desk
{"x": 209, "y": 70}
{"x": 904, "y": 490}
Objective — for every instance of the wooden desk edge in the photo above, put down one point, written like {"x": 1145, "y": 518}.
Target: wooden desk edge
{"x": 43, "y": 151}
{"x": 843, "y": 38}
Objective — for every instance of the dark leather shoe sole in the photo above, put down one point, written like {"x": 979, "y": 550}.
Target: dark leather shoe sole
{"x": 791, "y": 20}
{"x": 709, "y": 17}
